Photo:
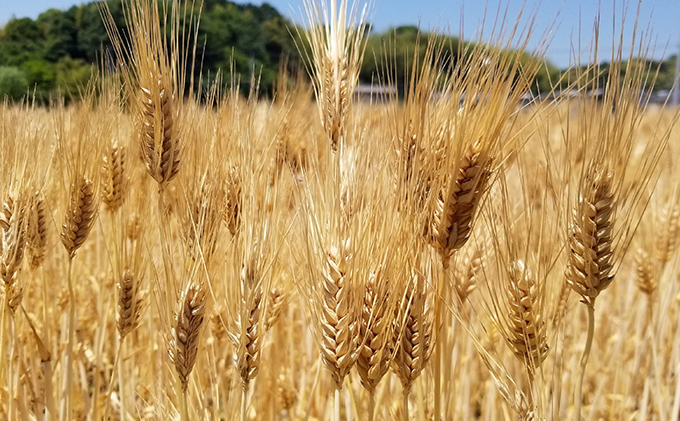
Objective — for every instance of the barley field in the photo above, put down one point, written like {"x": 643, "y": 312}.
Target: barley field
{"x": 450, "y": 253}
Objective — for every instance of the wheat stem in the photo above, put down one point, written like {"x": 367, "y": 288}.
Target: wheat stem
{"x": 46, "y": 366}
{"x": 5, "y": 307}
{"x": 244, "y": 402}
{"x": 185, "y": 406}
{"x": 69, "y": 347}
{"x": 121, "y": 385}
{"x": 113, "y": 378}
{"x": 590, "y": 305}
{"x": 371, "y": 406}
{"x": 336, "y": 405}
{"x": 45, "y": 315}
{"x": 49, "y": 393}
{"x": 406, "y": 410}
{"x": 10, "y": 367}
{"x": 438, "y": 343}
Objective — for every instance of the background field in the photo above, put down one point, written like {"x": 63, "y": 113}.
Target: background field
{"x": 180, "y": 248}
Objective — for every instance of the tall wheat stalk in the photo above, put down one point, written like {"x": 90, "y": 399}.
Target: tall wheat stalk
{"x": 606, "y": 206}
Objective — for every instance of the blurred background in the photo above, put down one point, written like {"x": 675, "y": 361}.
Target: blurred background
{"x": 48, "y": 44}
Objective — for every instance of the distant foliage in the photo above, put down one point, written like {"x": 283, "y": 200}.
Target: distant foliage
{"x": 12, "y": 82}
{"x": 56, "y": 51}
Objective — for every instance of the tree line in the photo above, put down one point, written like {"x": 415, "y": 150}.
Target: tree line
{"x": 60, "y": 49}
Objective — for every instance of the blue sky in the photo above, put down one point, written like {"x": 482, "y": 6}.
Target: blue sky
{"x": 565, "y": 16}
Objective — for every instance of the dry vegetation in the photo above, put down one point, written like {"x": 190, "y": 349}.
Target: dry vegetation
{"x": 433, "y": 257}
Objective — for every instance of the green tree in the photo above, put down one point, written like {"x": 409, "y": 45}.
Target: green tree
{"x": 40, "y": 76}
{"x": 72, "y": 76}
{"x": 60, "y": 34}
{"x": 21, "y": 40}
{"x": 90, "y": 30}
{"x": 13, "y": 83}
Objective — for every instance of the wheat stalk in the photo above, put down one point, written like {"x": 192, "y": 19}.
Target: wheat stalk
{"x": 590, "y": 266}
{"x": 337, "y": 39}
{"x": 234, "y": 200}
{"x": 156, "y": 77}
{"x": 250, "y": 320}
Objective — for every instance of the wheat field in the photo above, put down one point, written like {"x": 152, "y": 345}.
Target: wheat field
{"x": 451, "y": 253}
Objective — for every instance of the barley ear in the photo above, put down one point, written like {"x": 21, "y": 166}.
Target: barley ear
{"x": 337, "y": 41}
{"x": 203, "y": 222}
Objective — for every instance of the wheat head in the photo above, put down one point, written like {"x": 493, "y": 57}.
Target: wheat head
{"x": 526, "y": 328}
{"x": 36, "y": 231}
{"x": 458, "y": 202}
{"x": 339, "y": 323}
{"x": 376, "y": 332}
{"x": 590, "y": 261}
{"x": 13, "y": 223}
{"x": 114, "y": 177}
{"x": 80, "y": 214}
{"x": 131, "y": 302}
{"x": 187, "y": 330}
{"x": 414, "y": 333}
{"x": 250, "y": 338}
